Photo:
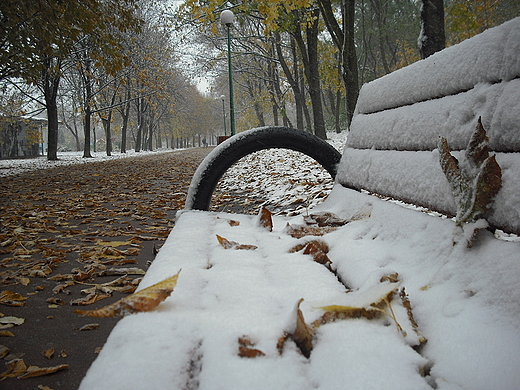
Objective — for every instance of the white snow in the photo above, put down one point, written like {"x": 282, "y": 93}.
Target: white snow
{"x": 399, "y": 118}
{"x": 465, "y": 302}
{"x": 488, "y": 57}
{"x": 22, "y": 165}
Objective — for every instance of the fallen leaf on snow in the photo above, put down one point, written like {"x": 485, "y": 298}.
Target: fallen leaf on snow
{"x": 265, "y": 219}
{"x": 245, "y": 348}
{"x": 303, "y": 333}
{"x": 144, "y": 300}
{"x": 226, "y": 244}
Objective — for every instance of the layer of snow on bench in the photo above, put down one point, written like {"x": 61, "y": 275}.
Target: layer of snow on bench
{"x": 466, "y": 303}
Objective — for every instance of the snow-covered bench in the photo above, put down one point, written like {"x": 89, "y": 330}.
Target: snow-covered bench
{"x": 390, "y": 301}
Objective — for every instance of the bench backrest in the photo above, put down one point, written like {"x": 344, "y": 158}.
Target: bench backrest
{"x": 392, "y": 146}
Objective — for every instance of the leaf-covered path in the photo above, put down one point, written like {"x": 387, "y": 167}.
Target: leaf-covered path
{"x": 72, "y": 236}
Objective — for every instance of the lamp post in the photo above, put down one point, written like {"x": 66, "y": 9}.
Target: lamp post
{"x": 223, "y": 113}
{"x": 227, "y": 17}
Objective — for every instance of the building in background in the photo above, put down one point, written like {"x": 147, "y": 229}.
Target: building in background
{"x": 21, "y": 137}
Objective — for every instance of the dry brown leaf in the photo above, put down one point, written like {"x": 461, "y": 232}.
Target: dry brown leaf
{"x": 123, "y": 271}
{"x": 6, "y": 333}
{"x": 318, "y": 249}
{"x": 34, "y": 371}
{"x": 3, "y": 351}
{"x": 113, "y": 243}
{"x": 226, "y": 244}
{"x": 9, "y": 321}
{"x": 476, "y": 181}
{"x": 89, "y": 299}
{"x": 248, "y": 352}
{"x": 232, "y": 222}
{"x": 15, "y": 368}
{"x": 48, "y": 353}
{"x": 265, "y": 219}
{"x": 245, "y": 348}
{"x": 60, "y": 277}
{"x": 61, "y": 288}
{"x": 56, "y": 301}
{"x": 325, "y": 219}
{"x": 144, "y": 300}
{"x": 303, "y": 333}
{"x": 299, "y": 231}
{"x": 89, "y": 327}
{"x": 10, "y": 298}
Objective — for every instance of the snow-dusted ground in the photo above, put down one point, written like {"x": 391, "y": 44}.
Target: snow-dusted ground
{"x": 289, "y": 182}
{"x": 23, "y": 165}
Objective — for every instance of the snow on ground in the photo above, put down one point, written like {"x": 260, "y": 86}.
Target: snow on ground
{"x": 289, "y": 182}
{"x": 24, "y": 165}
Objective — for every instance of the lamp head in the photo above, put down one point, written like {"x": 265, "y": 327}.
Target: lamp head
{"x": 227, "y": 17}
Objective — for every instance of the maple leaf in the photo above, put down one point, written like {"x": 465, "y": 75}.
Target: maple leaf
{"x": 475, "y": 182}
{"x": 144, "y": 300}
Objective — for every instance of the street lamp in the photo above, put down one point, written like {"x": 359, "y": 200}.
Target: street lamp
{"x": 224, "y": 113}
{"x": 227, "y": 17}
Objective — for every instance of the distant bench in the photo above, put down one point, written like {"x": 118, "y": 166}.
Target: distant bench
{"x": 392, "y": 145}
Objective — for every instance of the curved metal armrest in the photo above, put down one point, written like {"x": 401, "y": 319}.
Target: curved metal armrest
{"x": 240, "y": 145}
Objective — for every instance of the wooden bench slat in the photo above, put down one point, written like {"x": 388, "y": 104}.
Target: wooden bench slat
{"x": 417, "y": 178}
{"x": 419, "y": 126}
{"x": 470, "y": 62}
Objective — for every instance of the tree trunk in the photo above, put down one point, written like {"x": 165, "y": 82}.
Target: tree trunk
{"x": 310, "y": 63}
{"x": 292, "y": 79}
{"x": 124, "y": 128}
{"x": 343, "y": 38}
{"x": 51, "y": 82}
{"x": 432, "y": 38}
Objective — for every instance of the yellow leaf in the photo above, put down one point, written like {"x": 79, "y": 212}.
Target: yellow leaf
{"x": 144, "y": 300}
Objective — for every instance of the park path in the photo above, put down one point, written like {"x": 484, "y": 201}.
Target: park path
{"x": 71, "y": 237}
